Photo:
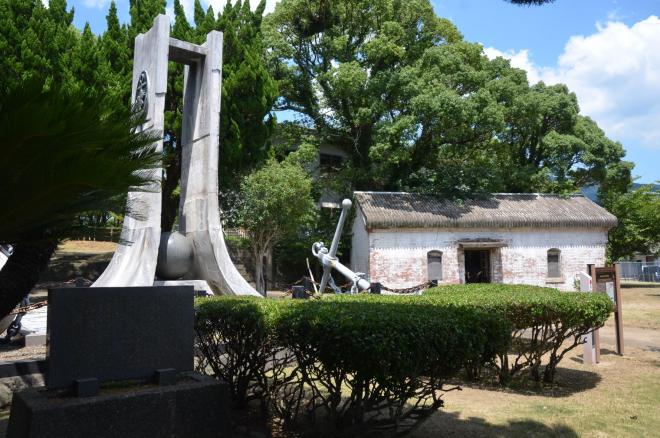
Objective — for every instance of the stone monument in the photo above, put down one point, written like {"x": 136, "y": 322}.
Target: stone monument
{"x": 134, "y": 263}
{"x": 120, "y": 364}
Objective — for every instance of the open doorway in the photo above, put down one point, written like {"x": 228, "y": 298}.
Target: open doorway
{"x": 477, "y": 266}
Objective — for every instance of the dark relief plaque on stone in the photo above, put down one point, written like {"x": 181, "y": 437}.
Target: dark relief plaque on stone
{"x": 118, "y": 333}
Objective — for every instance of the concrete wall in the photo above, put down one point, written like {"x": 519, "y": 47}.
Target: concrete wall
{"x": 398, "y": 258}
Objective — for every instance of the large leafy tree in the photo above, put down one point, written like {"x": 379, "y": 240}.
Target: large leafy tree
{"x": 414, "y": 106}
{"x": 63, "y": 154}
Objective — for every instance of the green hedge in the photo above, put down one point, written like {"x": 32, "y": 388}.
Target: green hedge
{"x": 374, "y": 361}
{"x": 546, "y": 323}
{"x": 235, "y": 339}
{"x": 360, "y": 361}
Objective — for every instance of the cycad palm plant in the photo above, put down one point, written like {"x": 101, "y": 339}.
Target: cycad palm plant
{"x": 61, "y": 153}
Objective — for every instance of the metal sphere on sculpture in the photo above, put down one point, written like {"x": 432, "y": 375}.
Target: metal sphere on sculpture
{"x": 175, "y": 256}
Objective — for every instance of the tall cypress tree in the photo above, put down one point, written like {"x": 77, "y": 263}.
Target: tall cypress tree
{"x": 36, "y": 41}
{"x": 86, "y": 59}
{"x": 248, "y": 94}
{"x": 116, "y": 57}
{"x": 142, "y": 14}
{"x": 198, "y": 13}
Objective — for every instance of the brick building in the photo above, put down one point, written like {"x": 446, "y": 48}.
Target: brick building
{"x": 404, "y": 239}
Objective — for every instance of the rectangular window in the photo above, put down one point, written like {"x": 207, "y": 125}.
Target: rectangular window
{"x": 553, "y": 265}
{"x": 434, "y": 265}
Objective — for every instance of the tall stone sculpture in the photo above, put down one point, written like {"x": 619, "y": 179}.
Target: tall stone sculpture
{"x": 134, "y": 262}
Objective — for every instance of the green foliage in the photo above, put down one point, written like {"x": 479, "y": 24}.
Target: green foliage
{"x": 542, "y": 320}
{"x": 64, "y": 154}
{"x": 37, "y": 41}
{"x": 416, "y": 107}
{"x": 115, "y": 58}
{"x": 275, "y": 202}
{"x": 638, "y": 230}
{"x": 142, "y": 14}
{"x": 364, "y": 362}
{"x": 246, "y": 329}
{"x": 248, "y": 94}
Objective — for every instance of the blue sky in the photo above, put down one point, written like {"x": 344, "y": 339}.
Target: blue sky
{"x": 607, "y": 51}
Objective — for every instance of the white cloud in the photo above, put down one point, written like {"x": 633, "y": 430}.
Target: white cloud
{"x": 100, "y": 4}
{"x": 519, "y": 60}
{"x": 615, "y": 73}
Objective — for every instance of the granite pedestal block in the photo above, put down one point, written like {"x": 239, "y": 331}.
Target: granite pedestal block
{"x": 196, "y": 407}
{"x": 118, "y": 333}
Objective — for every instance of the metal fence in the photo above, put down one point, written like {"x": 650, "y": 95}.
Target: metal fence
{"x": 640, "y": 271}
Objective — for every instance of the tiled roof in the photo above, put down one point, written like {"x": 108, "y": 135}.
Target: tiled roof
{"x": 501, "y": 210}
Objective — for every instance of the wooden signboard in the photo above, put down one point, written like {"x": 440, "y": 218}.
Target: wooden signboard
{"x": 608, "y": 280}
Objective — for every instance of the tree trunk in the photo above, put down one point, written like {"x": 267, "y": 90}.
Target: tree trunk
{"x": 22, "y": 270}
{"x": 259, "y": 272}
{"x": 171, "y": 177}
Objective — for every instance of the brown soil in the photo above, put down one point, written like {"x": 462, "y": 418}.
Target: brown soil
{"x": 87, "y": 246}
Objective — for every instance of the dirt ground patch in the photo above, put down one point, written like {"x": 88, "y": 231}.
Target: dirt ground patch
{"x": 87, "y": 246}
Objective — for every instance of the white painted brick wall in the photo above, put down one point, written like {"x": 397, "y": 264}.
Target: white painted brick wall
{"x": 359, "y": 245}
{"x": 398, "y": 258}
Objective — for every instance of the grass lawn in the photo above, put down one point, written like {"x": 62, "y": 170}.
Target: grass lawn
{"x": 620, "y": 397}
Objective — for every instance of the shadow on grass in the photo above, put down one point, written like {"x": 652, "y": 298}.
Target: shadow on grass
{"x": 568, "y": 381}
{"x": 65, "y": 266}
{"x": 450, "y": 425}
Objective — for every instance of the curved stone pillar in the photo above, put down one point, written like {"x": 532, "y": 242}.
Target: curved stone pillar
{"x": 199, "y": 214}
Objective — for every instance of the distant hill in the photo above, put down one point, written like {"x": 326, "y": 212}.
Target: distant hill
{"x": 591, "y": 192}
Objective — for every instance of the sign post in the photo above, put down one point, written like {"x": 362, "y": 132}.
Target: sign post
{"x": 589, "y": 355}
{"x": 608, "y": 280}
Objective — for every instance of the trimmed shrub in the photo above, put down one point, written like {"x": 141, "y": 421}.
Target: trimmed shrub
{"x": 361, "y": 362}
{"x": 382, "y": 361}
{"x": 542, "y": 320}
{"x": 235, "y": 340}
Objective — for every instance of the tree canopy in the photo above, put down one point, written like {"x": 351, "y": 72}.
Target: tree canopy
{"x": 638, "y": 230}
{"x": 275, "y": 203}
{"x": 416, "y": 107}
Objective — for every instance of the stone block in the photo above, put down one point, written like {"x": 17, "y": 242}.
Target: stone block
{"x": 196, "y": 406}
{"x": 118, "y": 333}
{"x": 86, "y": 387}
{"x": 166, "y": 376}
{"x": 35, "y": 340}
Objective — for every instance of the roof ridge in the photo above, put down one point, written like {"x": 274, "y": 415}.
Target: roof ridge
{"x": 404, "y": 209}
{"x": 557, "y": 195}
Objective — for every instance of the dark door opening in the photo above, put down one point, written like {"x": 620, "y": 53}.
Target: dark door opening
{"x": 477, "y": 266}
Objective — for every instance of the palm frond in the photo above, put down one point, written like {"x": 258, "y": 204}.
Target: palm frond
{"x": 66, "y": 152}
